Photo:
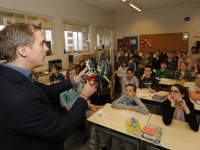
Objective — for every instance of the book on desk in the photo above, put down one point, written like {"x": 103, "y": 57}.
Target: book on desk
{"x": 159, "y": 97}
{"x": 133, "y": 129}
{"x": 153, "y": 134}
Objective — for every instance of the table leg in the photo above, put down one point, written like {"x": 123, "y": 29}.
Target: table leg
{"x": 96, "y": 138}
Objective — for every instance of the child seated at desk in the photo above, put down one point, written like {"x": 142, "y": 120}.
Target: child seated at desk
{"x": 183, "y": 73}
{"x": 194, "y": 88}
{"x": 148, "y": 81}
{"x": 130, "y": 78}
{"x": 178, "y": 106}
{"x": 163, "y": 72}
{"x": 131, "y": 102}
{"x": 97, "y": 101}
{"x": 69, "y": 97}
{"x": 55, "y": 75}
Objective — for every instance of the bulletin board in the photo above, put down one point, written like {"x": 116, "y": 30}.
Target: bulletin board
{"x": 170, "y": 41}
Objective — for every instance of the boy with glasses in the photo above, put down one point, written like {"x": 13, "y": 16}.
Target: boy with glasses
{"x": 148, "y": 81}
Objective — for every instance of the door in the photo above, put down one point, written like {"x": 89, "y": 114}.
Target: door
{"x": 134, "y": 42}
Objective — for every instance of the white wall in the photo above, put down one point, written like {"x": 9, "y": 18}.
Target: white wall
{"x": 162, "y": 20}
{"x": 63, "y": 9}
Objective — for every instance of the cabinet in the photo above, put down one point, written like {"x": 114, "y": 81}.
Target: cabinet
{"x": 76, "y": 58}
{"x": 125, "y": 44}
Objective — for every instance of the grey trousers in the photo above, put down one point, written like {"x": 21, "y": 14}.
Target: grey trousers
{"x": 102, "y": 137}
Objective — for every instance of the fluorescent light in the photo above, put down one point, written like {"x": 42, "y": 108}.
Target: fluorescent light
{"x": 135, "y": 7}
{"x": 123, "y": 0}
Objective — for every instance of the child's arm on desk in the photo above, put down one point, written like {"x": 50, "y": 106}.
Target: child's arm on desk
{"x": 118, "y": 104}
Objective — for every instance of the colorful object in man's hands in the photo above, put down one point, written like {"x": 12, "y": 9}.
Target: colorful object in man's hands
{"x": 98, "y": 75}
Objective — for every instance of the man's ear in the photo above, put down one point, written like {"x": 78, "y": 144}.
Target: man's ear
{"x": 22, "y": 50}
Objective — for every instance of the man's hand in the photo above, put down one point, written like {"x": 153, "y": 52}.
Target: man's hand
{"x": 77, "y": 78}
{"x": 88, "y": 90}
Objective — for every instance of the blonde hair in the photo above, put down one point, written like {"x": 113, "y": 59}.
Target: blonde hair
{"x": 67, "y": 77}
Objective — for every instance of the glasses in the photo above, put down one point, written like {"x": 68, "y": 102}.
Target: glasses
{"x": 175, "y": 91}
{"x": 197, "y": 78}
{"x": 147, "y": 70}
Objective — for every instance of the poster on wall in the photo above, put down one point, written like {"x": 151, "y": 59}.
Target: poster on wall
{"x": 70, "y": 48}
{"x": 84, "y": 41}
{"x": 69, "y": 28}
{"x": 7, "y": 21}
{"x": 70, "y": 41}
{"x": 70, "y": 34}
{"x": 84, "y": 29}
{"x": 85, "y": 36}
{"x": 146, "y": 42}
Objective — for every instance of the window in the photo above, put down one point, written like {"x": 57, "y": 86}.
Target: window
{"x": 76, "y": 37}
{"x": 46, "y": 28}
{"x": 104, "y": 37}
{"x": 19, "y": 17}
{"x": 1, "y": 27}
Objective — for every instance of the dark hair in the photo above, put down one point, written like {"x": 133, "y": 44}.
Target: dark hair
{"x": 182, "y": 90}
{"x": 133, "y": 85}
{"x": 124, "y": 61}
{"x": 164, "y": 50}
{"x": 157, "y": 51}
{"x": 148, "y": 66}
{"x": 197, "y": 74}
{"x": 81, "y": 62}
{"x": 174, "y": 51}
{"x": 194, "y": 47}
{"x": 54, "y": 67}
{"x": 163, "y": 62}
{"x": 150, "y": 53}
{"x": 130, "y": 69}
{"x": 171, "y": 51}
{"x": 184, "y": 63}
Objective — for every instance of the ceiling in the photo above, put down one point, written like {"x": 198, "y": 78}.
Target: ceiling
{"x": 118, "y": 6}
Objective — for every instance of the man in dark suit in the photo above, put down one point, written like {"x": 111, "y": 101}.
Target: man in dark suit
{"x": 28, "y": 121}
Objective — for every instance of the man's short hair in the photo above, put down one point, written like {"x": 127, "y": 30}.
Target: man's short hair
{"x": 14, "y": 35}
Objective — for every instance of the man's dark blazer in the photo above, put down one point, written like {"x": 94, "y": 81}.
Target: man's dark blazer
{"x": 27, "y": 118}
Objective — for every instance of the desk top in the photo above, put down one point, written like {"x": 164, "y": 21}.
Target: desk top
{"x": 178, "y": 135}
{"x": 116, "y": 121}
{"x": 165, "y": 81}
{"x": 148, "y": 94}
{"x": 196, "y": 106}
